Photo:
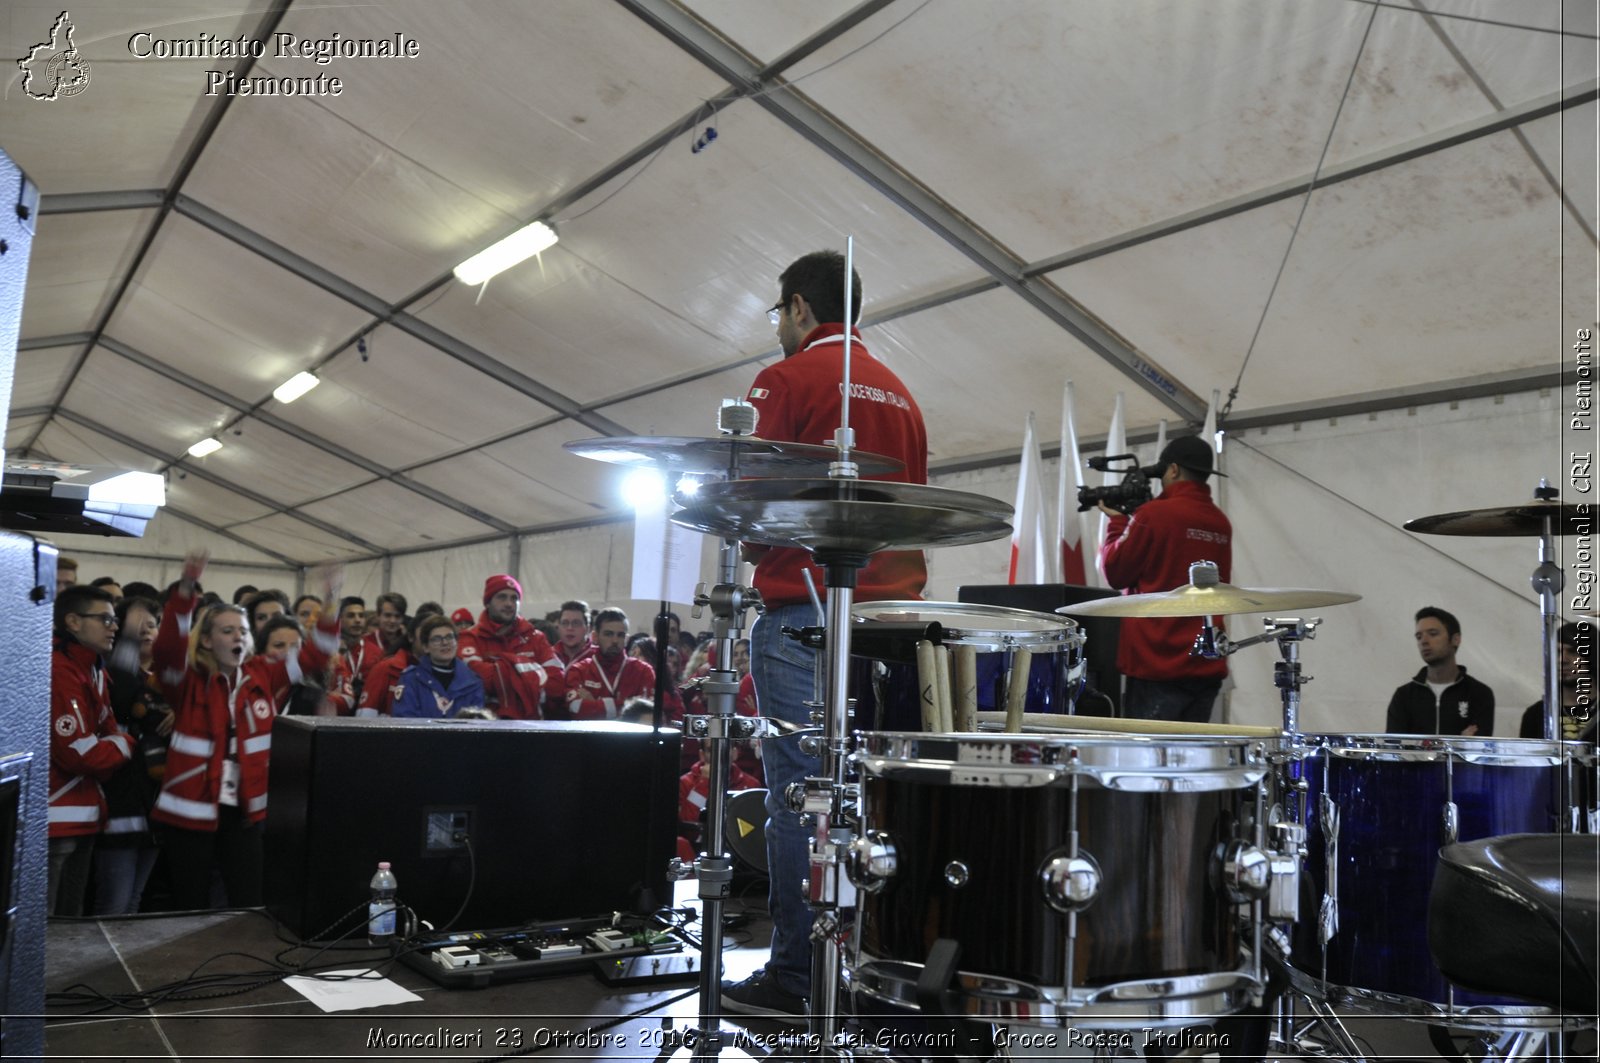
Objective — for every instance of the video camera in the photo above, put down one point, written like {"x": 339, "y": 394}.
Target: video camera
{"x": 1125, "y": 497}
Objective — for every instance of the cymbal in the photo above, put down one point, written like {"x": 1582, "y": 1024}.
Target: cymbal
{"x": 1525, "y": 519}
{"x": 718, "y": 454}
{"x": 851, "y": 516}
{"x": 1223, "y": 599}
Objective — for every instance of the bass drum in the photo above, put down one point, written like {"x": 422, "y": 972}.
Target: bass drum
{"x": 1079, "y": 874}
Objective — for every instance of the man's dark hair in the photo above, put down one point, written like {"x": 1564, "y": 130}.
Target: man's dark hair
{"x": 278, "y": 623}
{"x": 347, "y": 601}
{"x": 574, "y": 604}
{"x": 818, "y": 278}
{"x": 392, "y": 598}
{"x": 141, "y": 589}
{"x": 1452, "y": 626}
{"x": 149, "y": 605}
{"x": 305, "y": 598}
{"x": 76, "y": 598}
{"x": 270, "y": 595}
{"x": 244, "y": 592}
{"x": 104, "y": 581}
{"x": 610, "y": 612}
{"x": 428, "y": 609}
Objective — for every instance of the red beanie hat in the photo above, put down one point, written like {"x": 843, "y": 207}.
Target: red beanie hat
{"x": 495, "y": 584}
{"x": 462, "y": 616}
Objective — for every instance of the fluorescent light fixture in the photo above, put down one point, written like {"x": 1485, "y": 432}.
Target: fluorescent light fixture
{"x": 208, "y": 445}
{"x": 130, "y": 489}
{"x": 524, "y": 243}
{"x": 295, "y": 386}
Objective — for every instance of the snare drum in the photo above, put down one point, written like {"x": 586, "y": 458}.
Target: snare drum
{"x": 1378, "y": 809}
{"x": 1080, "y": 874}
{"x": 888, "y": 693}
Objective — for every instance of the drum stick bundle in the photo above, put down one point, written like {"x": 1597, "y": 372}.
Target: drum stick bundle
{"x": 1051, "y": 720}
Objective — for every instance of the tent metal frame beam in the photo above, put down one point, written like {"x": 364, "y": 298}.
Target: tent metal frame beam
{"x": 816, "y": 125}
{"x": 273, "y": 507}
{"x": 217, "y": 395}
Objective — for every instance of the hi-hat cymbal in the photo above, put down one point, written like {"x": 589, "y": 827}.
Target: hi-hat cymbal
{"x": 849, "y": 516}
{"x": 1222, "y": 599}
{"x": 1525, "y": 519}
{"x": 749, "y": 455}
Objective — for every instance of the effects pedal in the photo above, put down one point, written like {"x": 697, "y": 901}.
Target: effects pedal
{"x": 626, "y": 971}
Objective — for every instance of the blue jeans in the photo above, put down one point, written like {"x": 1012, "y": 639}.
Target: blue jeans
{"x": 1188, "y": 700}
{"x": 120, "y": 874}
{"x": 784, "y": 672}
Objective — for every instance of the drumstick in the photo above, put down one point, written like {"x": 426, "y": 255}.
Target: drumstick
{"x": 964, "y": 671}
{"x": 1017, "y": 689}
{"x": 927, "y": 678}
{"x": 942, "y": 665}
{"x": 1046, "y": 721}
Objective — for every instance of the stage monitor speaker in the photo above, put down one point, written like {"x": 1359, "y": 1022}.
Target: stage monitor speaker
{"x": 1100, "y": 632}
{"x": 503, "y": 821}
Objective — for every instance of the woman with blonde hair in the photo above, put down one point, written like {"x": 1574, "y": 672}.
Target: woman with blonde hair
{"x": 213, "y": 800}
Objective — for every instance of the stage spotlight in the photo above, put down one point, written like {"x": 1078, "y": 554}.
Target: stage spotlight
{"x": 644, "y": 489}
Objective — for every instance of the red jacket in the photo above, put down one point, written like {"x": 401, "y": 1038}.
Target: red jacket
{"x": 798, "y": 401}
{"x": 383, "y": 684}
{"x": 555, "y": 689}
{"x": 1152, "y": 551}
{"x": 218, "y": 715}
{"x": 595, "y": 690}
{"x": 347, "y": 678}
{"x": 86, "y": 743}
{"x": 516, "y": 666}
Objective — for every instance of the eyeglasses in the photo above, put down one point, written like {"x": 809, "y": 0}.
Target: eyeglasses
{"x": 441, "y": 640}
{"x": 775, "y": 315}
{"x": 108, "y": 619}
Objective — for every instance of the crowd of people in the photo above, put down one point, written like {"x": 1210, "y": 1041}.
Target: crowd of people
{"x": 162, "y": 703}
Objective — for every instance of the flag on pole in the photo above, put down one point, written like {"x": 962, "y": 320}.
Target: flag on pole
{"x": 1071, "y": 526}
{"x": 1161, "y": 444}
{"x": 1029, "y": 556}
{"x": 1116, "y": 443}
{"x": 1209, "y": 433}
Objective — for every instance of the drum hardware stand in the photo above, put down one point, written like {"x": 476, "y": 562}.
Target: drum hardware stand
{"x": 1547, "y": 581}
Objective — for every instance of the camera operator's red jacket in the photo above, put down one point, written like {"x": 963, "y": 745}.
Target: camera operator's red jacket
{"x": 1152, "y": 551}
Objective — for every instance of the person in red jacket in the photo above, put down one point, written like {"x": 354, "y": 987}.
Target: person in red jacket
{"x": 383, "y": 682}
{"x": 1151, "y": 551}
{"x": 573, "y": 644}
{"x": 508, "y": 653}
{"x": 86, "y": 743}
{"x": 599, "y": 685}
{"x": 213, "y": 800}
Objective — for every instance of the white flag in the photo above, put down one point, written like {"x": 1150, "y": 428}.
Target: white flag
{"x": 1072, "y": 529}
{"x": 1030, "y": 558}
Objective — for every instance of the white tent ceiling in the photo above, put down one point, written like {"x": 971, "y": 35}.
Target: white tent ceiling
{"x": 1101, "y": 190}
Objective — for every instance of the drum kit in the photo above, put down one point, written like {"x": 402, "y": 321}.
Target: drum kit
{"x": 1082, "y": 879}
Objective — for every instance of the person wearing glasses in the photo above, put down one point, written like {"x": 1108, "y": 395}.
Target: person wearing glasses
{"x": 383, "y": 682}
{"x": 86, "y": 743}
{"x": 440, "y": 684}
{"x": 798, "y": 401}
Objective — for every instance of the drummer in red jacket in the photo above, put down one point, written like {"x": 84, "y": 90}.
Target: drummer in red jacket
{"x": 213, "y": 801}
{"x": 508, "y": 653}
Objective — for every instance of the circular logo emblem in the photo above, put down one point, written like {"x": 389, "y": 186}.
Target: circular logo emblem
{"x": 262, "y": 708}
{"x": 66, "y": 726}
{"x": 67, "y": 73}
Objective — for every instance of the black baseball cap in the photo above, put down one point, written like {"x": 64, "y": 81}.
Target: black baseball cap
{"x": 1186, "y": 452}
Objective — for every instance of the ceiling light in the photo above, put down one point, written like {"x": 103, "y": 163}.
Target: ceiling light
{"x": 208, "y": 445}
{"x": 644, "y": 489}
{"x": 524, "y": 243}
{"x": 295, "y": 386}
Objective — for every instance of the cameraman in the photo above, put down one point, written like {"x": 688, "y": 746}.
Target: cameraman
{"x": 1151, "y": 551}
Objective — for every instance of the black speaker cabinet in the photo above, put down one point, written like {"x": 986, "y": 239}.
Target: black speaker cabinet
{"x": 503, "y": 821}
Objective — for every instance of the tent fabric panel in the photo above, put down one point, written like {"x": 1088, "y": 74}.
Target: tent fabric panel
{"x": 63, "y": 440}
{"x": 295, "y": 538}
{"x": 40, "y": 373}
{"x": 131, "y": 126}
{"x": 405, "y": 402}
{"x": 142, "y": 404}
{"x": 946, "y": 355}
{"x": 453, "y": 577}
{"x": 76, "y": 261}
{"x": 392, "y": 517}
{"x": 280, "y": 466}
{"x": 227, "y": 316}
{"x": 528, "y": 479}
{"x": 688, "y": 409}
{"x": 766, "y": 31}
{"x": 212, "y": 502}
{"x": 595, "y": 565}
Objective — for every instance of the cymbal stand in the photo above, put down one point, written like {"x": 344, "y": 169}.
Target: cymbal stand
{"x": 713, "y": 867}
{"x": 1547, "y": 581}
{"x": 1288, "y": 632}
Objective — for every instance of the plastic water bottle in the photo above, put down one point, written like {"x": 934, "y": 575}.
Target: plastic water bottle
{"x": 381, "y": 909}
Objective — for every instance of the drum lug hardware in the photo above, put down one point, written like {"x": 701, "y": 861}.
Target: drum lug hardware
{"x": 1070, "y": 883}
{"x": 815, "y": 795}
{"x": 1452, "y": 823}
{"x": 956, "y": 874}
{"x": 1283, "y": 901}
{"x": 872, "y": 861}
{"x": 1246, "y": 872}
